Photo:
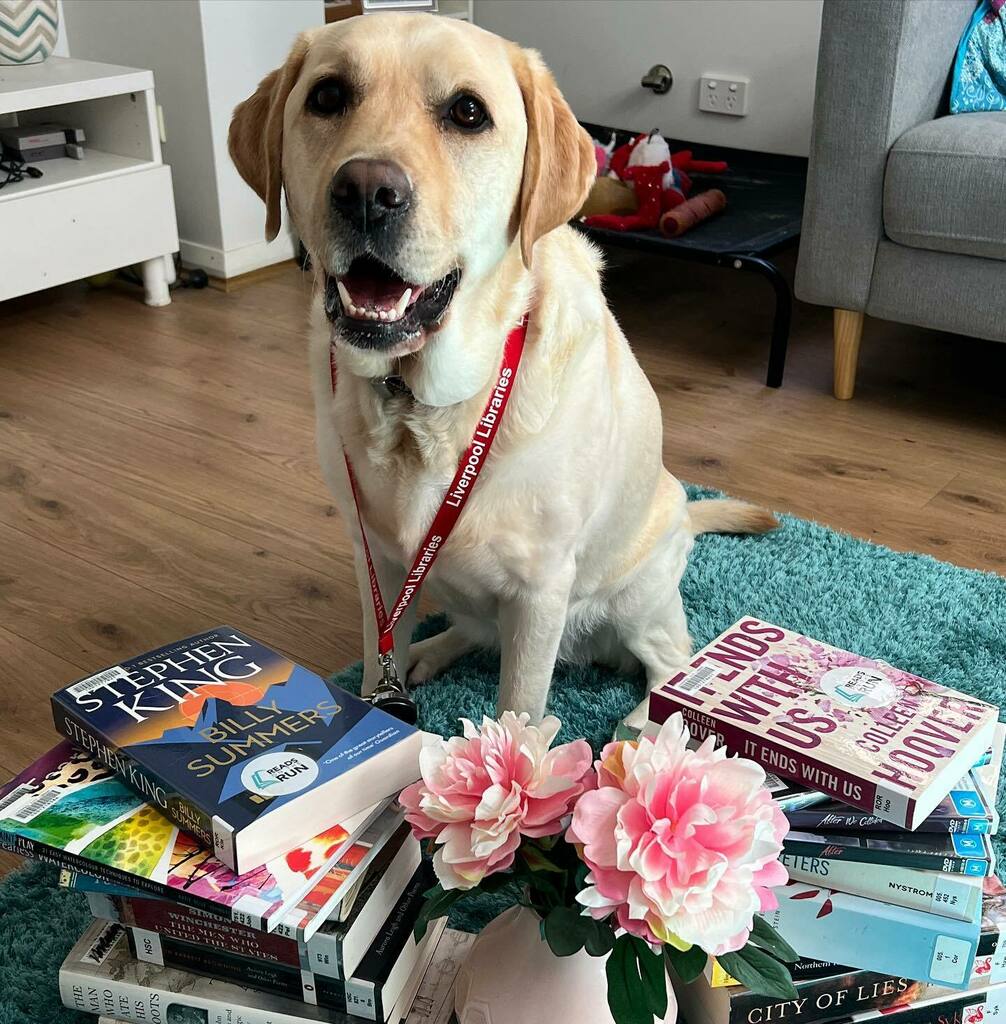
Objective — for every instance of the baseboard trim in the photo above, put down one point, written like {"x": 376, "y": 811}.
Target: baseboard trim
{"x": 231, "y": 263}
{"x": 233, "y": 284}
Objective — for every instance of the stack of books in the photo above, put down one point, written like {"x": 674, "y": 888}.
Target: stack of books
{"x": 231, "y": 817}
{"x": 893, "y": 903}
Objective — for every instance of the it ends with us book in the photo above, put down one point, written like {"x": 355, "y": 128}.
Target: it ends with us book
{"x": 869, "y": 734}
{"x": 237, "y": 744}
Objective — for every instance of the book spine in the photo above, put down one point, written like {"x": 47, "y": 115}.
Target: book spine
{"x": 865, "y": 934}
{"x": 806, "y": 819}
{"x": 277, "y": 979}
{"x": 22, "y": 846}
{"x": 930, "y": 891}
{"x": 824, "y": 999}
{"x": 82, "y": 990}
{"x": 175, "y": 806}
{"x": 892, "y": 805}
{"x": 961, "y": 1008}
{"x": 197, "y": 927}
{"x": 975, "y": 867}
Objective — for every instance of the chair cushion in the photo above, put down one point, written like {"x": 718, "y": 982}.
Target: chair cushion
{"x": 945, "y": 186}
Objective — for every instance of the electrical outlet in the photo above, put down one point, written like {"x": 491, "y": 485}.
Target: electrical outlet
{"x": 724, "y": 94}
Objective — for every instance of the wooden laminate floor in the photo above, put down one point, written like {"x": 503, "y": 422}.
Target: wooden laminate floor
{"x": 157, "y": 472}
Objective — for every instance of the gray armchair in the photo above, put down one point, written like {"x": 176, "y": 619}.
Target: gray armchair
{"x": 905, "y": 215}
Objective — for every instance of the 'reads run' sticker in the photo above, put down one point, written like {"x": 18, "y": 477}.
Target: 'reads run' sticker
{"x": 859, "y": 687}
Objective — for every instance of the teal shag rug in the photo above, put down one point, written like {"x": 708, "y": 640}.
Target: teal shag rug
{"x": 940, "y": 621}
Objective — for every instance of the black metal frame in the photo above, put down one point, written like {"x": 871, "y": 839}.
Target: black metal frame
{"x": 752, "y": 257}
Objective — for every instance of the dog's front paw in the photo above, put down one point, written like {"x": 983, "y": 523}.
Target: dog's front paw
{"x": 639, "y": 715}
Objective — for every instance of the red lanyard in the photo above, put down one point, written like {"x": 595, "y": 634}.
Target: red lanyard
{"x": 454, "y": 500}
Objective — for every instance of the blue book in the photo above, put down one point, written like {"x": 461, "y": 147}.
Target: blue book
{"x": 820, "y": 923}
{"x": 237, "y": 744}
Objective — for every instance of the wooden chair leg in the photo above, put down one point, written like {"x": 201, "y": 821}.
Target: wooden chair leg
{"x": 848, "y": 331}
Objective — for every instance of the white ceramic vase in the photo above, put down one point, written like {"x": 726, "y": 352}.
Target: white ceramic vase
{"x": 511, "y": 977}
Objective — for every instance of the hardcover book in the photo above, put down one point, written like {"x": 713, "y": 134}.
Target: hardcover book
{"x": 870, "y": 735}
{"x": 334, "y": 952}
{"x": 956, "y": 853}
{"x": 965, "y": 809}
{"x": 823, "y": 924}
{"x": 71, "y": 811}
{"x": 100, "y": 976}
{"x": 238, "y": 745}
{"x": 371, "y": 992}
{"x": 933, "y": 891}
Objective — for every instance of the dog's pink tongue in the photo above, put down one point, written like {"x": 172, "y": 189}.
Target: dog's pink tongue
{"x": 378, "y": 293}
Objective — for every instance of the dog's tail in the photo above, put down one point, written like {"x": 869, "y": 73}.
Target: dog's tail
{"x": 724, "y": 515}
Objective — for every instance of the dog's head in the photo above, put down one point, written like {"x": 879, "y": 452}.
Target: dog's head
{"x": 414, "y": 151}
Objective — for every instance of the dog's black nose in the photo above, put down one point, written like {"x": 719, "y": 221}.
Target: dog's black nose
{"x": 370, "y": 194}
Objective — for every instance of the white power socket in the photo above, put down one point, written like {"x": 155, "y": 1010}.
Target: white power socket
{"x": 724, "y": 94}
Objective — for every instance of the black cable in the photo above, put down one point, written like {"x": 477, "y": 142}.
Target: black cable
{"x": 14, "y": 169}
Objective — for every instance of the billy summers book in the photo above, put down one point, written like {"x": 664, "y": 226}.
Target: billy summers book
{"x": 238, "y": 745}
{"x": 873, "y": 736}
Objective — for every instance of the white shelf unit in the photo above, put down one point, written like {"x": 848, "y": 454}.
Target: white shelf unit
{"x": 112, "y": 209}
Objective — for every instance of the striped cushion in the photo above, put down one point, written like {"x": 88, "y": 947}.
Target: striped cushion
{"x": 28, "y": 30}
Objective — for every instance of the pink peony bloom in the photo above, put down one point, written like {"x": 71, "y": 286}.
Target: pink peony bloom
{"x": 682, "y": 845}
{"x": 482, "y": 791}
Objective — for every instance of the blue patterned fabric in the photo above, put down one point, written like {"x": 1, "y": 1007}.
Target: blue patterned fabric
{"x": 979, "y": 81}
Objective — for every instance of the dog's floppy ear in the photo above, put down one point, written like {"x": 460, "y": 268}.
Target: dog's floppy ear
{"x": 559, "y": 162}
{"x": 255, "y": 139}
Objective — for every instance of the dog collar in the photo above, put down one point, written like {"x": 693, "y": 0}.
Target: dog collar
{"x": 392, "y": 387}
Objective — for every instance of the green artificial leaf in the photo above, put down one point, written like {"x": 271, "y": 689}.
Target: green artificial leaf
{"x": 536, "y": 860}
{"x": 760, "y": 972}
{"x": 637, "y": 987}
{"x": 581, "y": 875}
{"x": 437, "y": 905}
{"x": 493, "y": 883}
{"x": 764, "y": 935}
{"x": 687, "y": 964}
{"x": 564, "y": 931}
{"x": 600, "y": 939}
{"x": 543, "y": 893}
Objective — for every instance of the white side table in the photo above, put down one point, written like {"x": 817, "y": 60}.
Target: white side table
{"x": 112, "y": 209}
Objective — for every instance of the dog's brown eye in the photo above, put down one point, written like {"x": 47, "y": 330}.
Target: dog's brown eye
{"x": 467, "y": 112}
{"x": 328, "y": 97}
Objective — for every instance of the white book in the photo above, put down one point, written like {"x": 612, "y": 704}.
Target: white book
{"x": 100, "y": 976}
{"x": 952, "y": 896}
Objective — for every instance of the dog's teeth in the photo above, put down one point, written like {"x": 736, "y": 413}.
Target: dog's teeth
{"x": 402, "y": 303}
{"x": 347, "y": 302}
{"x": 382, "y": 314}
{"x": 372, "y": 314}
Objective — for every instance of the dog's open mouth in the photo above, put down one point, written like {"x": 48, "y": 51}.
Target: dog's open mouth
{"x": 373, "y": 307}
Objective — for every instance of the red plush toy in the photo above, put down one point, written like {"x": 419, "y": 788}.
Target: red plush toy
{"x": 661, "y": 181}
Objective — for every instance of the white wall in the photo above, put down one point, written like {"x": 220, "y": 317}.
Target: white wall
{"x": 166, "y": 38}
{"x": 599, "y": 50}
{"x": 207, "y": 56}
{"x": 243, "y": 41}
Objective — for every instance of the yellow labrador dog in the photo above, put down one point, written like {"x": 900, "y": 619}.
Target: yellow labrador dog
{"x": 429, "y": 168}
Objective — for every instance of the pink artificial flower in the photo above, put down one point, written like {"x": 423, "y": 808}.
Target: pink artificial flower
{"x": 683, "y": 845}
{"x": 482, "y": 791}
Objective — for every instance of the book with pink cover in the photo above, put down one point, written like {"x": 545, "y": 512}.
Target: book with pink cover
{"x": 864, "y": 732}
